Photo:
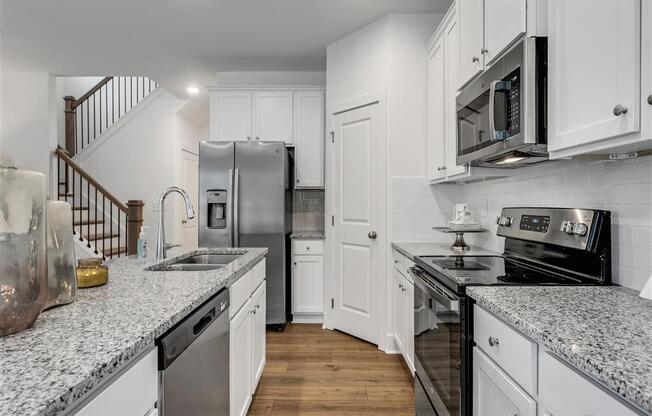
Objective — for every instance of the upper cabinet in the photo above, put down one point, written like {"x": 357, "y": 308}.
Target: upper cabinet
{"x": 488, "y": 27}
{"x": 309, "y": 139}
{"x": 272, "y": 116}
{"x": 436, "y": 112}
{"x": 294, "y": 115}
{"x": 230, "y": 115}
{"x": 598, "y": 83}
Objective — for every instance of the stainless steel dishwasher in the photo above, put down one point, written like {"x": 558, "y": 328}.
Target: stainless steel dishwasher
{"x": 194, "y": 362}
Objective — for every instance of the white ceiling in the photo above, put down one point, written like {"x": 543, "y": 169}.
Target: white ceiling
{"x": 178, "y": 42}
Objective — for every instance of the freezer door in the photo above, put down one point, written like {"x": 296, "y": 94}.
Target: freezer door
{"x": 216, "y": 183}
{"x": 261, "y": 214}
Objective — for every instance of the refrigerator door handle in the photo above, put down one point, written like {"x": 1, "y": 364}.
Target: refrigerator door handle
{"x": 236, "y": 208}
{"x": 229, "y": 208}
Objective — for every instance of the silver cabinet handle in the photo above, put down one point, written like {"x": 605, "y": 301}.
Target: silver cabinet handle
{"x": 444, "y": 167}
{"x": 372, "y": 235}
{"x": 475, "y": 59}
{"x": 649, "y": 99}
{"x": 484, "y": 50}
{"x": 400, "y": 286}
{"x": 493, "y": 341}
{"x": 619, "y": 110}
{"x": 248, "y": 137}
{"x": 184, "y": 221}
{"x": 295, "y": 263}
{"x": 257, "y": 138}
{"x": 308, "y": 248}
{"x": 258, "y": 306}
{"x": 395, "y": 261}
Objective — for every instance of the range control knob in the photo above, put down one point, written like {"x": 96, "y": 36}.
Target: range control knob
{"x": 504, "y": 221}
{"x": 567, "y": 227}
{"x": 580, "y": 229}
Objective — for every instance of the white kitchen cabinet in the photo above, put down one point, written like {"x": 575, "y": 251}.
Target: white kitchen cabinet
{"x": 595, "y": 73}
{"x": 247, "y": 344}
{"x": 307, "y": 281}
{"x": 240, "y": 361}
{"x": 495, "y": 393}
{"x": 399, "y": 311}
{"x": 403, "y": 307}
{"x": 133, "y": 393}
{"x": 470, "y": 17}
{"x": 452, "y": 63}
{"x": 436, "y": 111}
{"x": 309, "y": 139}
{"x": 272, "y": 116}
{"x": 504, "y": 22}
{"x": 230, "y": 115}
{"x": 566, "y": 393}
{"x": 408, "y": 307}
{"x": 258, "y": 327}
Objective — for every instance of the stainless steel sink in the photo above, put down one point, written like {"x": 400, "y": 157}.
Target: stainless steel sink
{"x": 210, "y": 259}
{"x": 190, "y": 267}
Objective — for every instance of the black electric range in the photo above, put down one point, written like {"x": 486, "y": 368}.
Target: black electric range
{"x": 543, "y": 246}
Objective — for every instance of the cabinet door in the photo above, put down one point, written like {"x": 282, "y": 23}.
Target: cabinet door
{"x": 436, "y": 112}
{"x": 240, "y": 361}
{"x": 504, "y": 22}
{"x": 307, "y": 284}
{"x": 309, "y": 139}
{"x": 494, "y": 393}
{"x": 258, "y": 326}
{"x": 397, "y": 297}
{"x": 272, "y": 116}
{"x": 470, "y": 20}
{"x": 563, "y": 392}
{"x": 408, "y": 308}
{"x": 230, "y": 115}
{"x": 452, "y": 62}
{"x": 594, "y": 64}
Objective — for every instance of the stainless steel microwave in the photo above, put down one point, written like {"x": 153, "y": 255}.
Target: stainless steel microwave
{"x": 502, "y": 115}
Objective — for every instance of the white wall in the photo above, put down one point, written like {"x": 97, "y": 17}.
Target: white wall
{"x": 624, "y": 188}
{"x": 28, "y": 137}
{"x": 75, "y": 87}
{"x": 140, "y": 159}
{"x": 227, "y": 78}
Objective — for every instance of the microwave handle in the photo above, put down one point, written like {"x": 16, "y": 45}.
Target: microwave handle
{"x": 492, "y": 110}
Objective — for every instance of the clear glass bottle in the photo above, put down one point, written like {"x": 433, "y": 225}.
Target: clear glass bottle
{"x": 23, "y": 248}
{"x": 62, "y": 280}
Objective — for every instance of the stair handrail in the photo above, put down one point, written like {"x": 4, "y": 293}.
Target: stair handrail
{"x": 90, "y": 92}
{"x": 63, "y": 154}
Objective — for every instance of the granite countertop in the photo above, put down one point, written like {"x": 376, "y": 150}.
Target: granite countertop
{"x": 412, "y": 250}
{"x": 308, "y": 235}
{"x": 73, "y": 348}
{"x": 604, "y": 332}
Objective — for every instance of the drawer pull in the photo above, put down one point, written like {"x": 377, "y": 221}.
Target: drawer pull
{"x": 493, "y": 342}
{"x": 395, "y": 261}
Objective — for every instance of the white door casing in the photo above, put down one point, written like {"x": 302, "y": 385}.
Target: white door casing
{"x": 359, "y": 207}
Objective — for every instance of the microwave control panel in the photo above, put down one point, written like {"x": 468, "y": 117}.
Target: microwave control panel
{"x": 513, "y": 113}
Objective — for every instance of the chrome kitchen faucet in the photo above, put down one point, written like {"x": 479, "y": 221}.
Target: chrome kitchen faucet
{"x": 161, "y": 246}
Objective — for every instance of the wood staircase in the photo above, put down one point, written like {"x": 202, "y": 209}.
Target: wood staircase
{"x": 106, "y": 225}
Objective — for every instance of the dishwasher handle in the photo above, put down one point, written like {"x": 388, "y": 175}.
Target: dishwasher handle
{"x": 174, "y": 342}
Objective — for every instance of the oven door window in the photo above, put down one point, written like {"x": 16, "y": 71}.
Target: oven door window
{"x": 437, "y": 346}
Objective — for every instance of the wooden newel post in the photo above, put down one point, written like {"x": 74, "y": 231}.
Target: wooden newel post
{"x": 70, "y": 115}
{"x": 134, "y": 222}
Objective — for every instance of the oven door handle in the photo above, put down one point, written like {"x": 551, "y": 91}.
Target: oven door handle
{"x": 436, "y": 291}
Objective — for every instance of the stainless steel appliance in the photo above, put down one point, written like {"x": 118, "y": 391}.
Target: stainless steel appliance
{"x": 245, "y": 200}
{"x": 501, "y": 115}
{"x": 194, "y": 362}
{"x": 543, "y": 246}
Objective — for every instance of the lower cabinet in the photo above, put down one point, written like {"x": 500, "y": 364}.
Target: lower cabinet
{"x": 307, "y": 281}
{"x": 494, "y": 393}
{"x": 133, "y": 393}
{"x": 247, "y": 344}
{"x": 403, "y": 306}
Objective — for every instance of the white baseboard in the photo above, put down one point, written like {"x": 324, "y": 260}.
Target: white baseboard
{"x": 307, "y": 318}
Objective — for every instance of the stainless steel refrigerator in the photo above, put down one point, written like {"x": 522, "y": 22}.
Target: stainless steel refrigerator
{"x": 245, "y": 200}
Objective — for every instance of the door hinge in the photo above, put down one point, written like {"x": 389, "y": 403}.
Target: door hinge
{"x": 332, "y": 303}
{"x": 332, "y": 220}
{"x": 332, "y": 133}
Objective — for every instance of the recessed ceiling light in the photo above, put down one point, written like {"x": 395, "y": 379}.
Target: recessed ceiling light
{"x": 192, "y": 90}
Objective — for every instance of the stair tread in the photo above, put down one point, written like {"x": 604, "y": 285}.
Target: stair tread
{"x": 102, "y": 236}
{"x": 86, "y": 222}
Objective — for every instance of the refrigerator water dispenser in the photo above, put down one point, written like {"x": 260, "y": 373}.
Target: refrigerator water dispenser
{"x": 216, "y": 208}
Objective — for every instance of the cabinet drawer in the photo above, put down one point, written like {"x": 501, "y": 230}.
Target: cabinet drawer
{"x": 134, "y": 393}
{"x": 565, "y": 392}
{"x": 397, "y": 259}
{"x": 300, "y": 247}
{"x": 512, "y": 351}
{"x": 240, "y": 291}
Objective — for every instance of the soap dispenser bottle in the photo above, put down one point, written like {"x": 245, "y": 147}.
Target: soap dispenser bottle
{"x": 141, "y": 246}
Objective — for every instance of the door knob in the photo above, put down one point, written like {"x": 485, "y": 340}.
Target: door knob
{"x": 372, "y": 235}
{"x": 619, "y": 109}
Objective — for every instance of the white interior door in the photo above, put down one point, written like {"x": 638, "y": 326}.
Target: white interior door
{"x": 359, "y": 197}
{"x": 189, "y": 182}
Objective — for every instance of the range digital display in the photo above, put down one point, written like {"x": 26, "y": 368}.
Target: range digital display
{"x": 536, "y": 223}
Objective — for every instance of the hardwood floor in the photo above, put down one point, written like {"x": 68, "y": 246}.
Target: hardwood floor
{"x": 311, "y": 371}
